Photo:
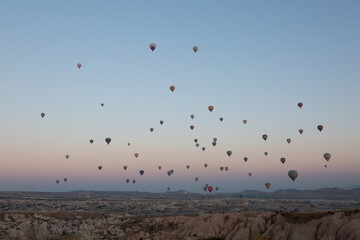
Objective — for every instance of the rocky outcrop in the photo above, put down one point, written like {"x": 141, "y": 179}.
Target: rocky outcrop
{"x": 341, "y": 225}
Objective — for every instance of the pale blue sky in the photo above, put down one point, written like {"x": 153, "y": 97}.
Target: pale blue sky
{"x": 256, "y": 60}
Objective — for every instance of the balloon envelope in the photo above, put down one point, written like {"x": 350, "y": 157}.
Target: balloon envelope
{"x": 320, "y": 127}
{"x": 152, "y": 46}
{"x": 42, "y": 114}
{"x": 293, "y": 174}
{"x": 79, "y": 65}
{"x": 229, "y": 153}
{"x": 282, "y": 160}
{"x": 107, "y": 140}
{"x": 211, "y": 108}
{"x": 265, "y": 136}
{"x": 267, "y": 185}
{"x": 195, "y": 48}
{"x": 172, "y": 88}
{"x": 327, "y": 156}
{"x": 300, "y": 104}
{"x": 301, "y": 131}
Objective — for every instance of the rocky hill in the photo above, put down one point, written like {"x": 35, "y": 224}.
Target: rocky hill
{"x": 71, "y": 225}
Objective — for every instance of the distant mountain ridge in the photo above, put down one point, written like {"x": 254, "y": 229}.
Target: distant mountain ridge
{"x": 323, "y": 193}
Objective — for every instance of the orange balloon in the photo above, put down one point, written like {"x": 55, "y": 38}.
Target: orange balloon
{"x": 79, "y": 65}
{"x": 211, "y": 108}
{"x": 172, "y": 88}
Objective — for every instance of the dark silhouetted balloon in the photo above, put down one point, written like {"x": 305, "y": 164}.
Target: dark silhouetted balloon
{"x": 152, "y": 46}
{"x": 327, "y": 156}
{"x": 211, "y": 108}
{"x": 320, "y": 127}
{"x": 42, "y": 115}
{"x": 265, "y": 137}
{"x": 108, "y": 140}
{"x": 300, "y": 105}
{"x": 79, "y": 65}
{"x": 195, "y": 48}
{"x": 293, "y": 174}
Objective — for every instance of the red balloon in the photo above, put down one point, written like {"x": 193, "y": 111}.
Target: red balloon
{"x": 79, "y": 65}
{"x": 151, "y": 129}
{"x": 300, "y": 105}
{"x": 192, "y": 127}
{"x": 42, "y": 114}
{"x": 210, "y": 188}
{"x": 136, "y": 155}
{"x": 172, "y": 88}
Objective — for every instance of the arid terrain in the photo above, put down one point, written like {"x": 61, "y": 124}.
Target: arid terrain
{"x": 174, "y": 215}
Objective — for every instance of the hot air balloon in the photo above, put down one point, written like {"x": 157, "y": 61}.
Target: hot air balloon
{"x": 195, "y": 140}
{"x": 187, "y": 166}
{"x": 226, "y": 168}
{"x": 267, "y": 185}
{"x": 205, "y": 165}
{"x": 141, "y": 172}
{"x": 211, "y": 108}
{"x": 195, "y": 48}
{"x": 320, "y": 127}
{"x": 102, "y": 104}
{"x": 128, "y": 144}
{"x": 245, "y": 159}
{"x": 152, "y": 46}
{"x": 91, "y": 141}
{"x": 151, "y": 129}
{"x": 265, "y": 137}
{"x": 161, "y": 122}
{"x": 282, "y": 160}
{"x": 300, "y": 105}
{"x": 172, "y": 88}
{"x": 42, "y": 115}
{"x": 79, "y": 65}
{"x": 214, "y": 139}
{"x": 57, "y": 181}
{"x": 288, "y": 140}
{"x": 159, "y": 167}
{"x": 125, "y": 167}
{"x": 168, "y": 173}
{"x": 203, "y": 148}
{"x": 244, "y": 121}
{"x": 127, "y": 180}
{"x": 168, "y": 188}
{"x": 205, "y": 188}
{"x": 210, "y": 188}
{"x": 221, "y": 119}
{"x": 65, "y": 179}
{"x": 192, "y": 116}
{"x": 214, "y": 144}
{"x": 293, "y": 174}
{"x": 222, "y": 168}
{"x": 136, "y": 155}
{"x": 325, "y": 166}
{"x": 99, "y": 167}
{"x": 249, "y": 174}
{"x": 327, "y": 156}
{"x": 108, "y": 140}
{"x": 192, "y": 127}
{"x": 197, "y": 145}
{"x": 217, "y": 188}
{"x": 229, "y": 153}
{"x": 265, "y": 153}
{"x": 196, "y": 179}
{"x": 134, "y": 181}
{"x": 67, "y": 156}
{"x": 301, "y": 131}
